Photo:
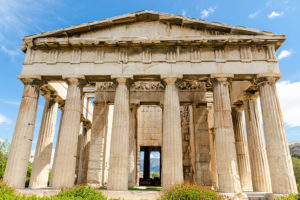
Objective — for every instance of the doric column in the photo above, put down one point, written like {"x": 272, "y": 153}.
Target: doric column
{"x": 132, "y": 146}
{"x": 241, "y": 148}
{"x": 119, "y": 151}
{"x": 19, "y": 154}
{"x": 172, "y": 168}
{"x": 98, "y": 138}
{"x": 42, "y": 158}
{"x": 257, "y": 152}
{"x": 67, "y": 148}
{"x": 226, "y": 160}
{"x": 84, "y": 153}
{"x": 61, "y": 106}
{"x": 281, "y": 172}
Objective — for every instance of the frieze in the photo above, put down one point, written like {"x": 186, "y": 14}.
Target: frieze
{"x": 147, "y": 86}
{"x": 191, "y": 85}
{"x": 105, "y": 86}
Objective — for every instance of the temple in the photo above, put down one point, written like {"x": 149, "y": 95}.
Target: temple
{"x": 153, "y": 82}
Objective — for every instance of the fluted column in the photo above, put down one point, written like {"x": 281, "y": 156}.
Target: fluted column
{"x": 19, "y": 153}
{"x": 57, "y": 142}
{"x": 42, "y": 158}
{"x": 67, "y": 148}
{"x": 119, "y": 151}
{"x": 132, "y": 147}
{"x": 242, "y": 148}
{"x": 257, "y": 152}
{"x": 281, "y": 168}
{"x": 98, "y": 137}
{"x": 226, "y": 160}
{"x": 172, "y": 169}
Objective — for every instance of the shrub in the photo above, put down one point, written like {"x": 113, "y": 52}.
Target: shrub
{"x": 77, "y": 193}
{"x": 190, "y": 192}
{"x": 290, "y": 197}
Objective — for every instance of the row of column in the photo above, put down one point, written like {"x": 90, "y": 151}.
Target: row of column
{"x": 281, "y": 177}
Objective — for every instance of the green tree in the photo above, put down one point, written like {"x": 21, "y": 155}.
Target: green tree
{"x": 4, "y": 146}
{"x": 296, "y": 164}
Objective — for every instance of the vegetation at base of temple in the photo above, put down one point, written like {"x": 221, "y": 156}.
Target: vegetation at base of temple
{"x": 76, "y": 193}
{"x": 296, "y": 164}
{"x": 190, "y": 191}
{"x": 290, "y": 197}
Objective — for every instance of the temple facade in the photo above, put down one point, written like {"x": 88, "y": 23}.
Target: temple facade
{"x": 147, "y": 82}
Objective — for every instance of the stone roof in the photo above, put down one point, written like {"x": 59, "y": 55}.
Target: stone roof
{"x": 149, "y": 16}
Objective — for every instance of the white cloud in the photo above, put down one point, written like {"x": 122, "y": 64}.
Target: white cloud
{"x": 284, "y": 54}
{"x": 206, "y": 12}
{"x": 289, "y": 97}
{"x": 4, "y": 120}
{"x": 183, "y": 12}
{"x": 12, "y": 102}
{"x": 253, "y": 15}
{"x": 275, "y": 14}
{"x": 10, "y": 52}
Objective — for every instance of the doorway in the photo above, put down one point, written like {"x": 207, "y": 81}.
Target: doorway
{"x": 150, "y": 166}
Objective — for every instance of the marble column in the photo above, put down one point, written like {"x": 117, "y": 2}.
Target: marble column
{"x": 97, "y": 146}
{"x": 132, "y": 147}
{"x": 57, "y": 142}
{"x": 19, "y": 153}
{"x": 119, "y": 151}
{"x": 42, "y": 158}
{"x": 226, "y": 160}
{"x": 281, "y": 172}
{"x": 242, "y": 148}
{"x": 172, "y": 166}
{"x": 258, "y": 158}
{"x": 67, "y": 148}
{"x": 84, "y": 153}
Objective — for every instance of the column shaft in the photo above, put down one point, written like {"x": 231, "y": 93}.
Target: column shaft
{"x": 43, "y": 151}
{"x": 242, "y": 149}
{"x": 119, "y": 151}
{"x": 97, "y": 146}
{"x": 226, "y": 160}
{"x": 258, "y": 157}
{"x": 132, "y": 147}
{"x": 172, "y": 166}
{"x": 281, "y": 172}
{"x": 19, "y": 154}
{"x": 56, "y": 146}
{"x": 67, "y": 148}
{"x": 84, "y": 155}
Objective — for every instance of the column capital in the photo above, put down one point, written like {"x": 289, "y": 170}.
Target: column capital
{"x": 250, "y": 95}
{"x": 268, "y": 78}
{"x": 238, "y": 106}
{"x": 221, "y": 77}
{"x": 171, "y": 78}
{"x": 31, "y": 79}
{"x": 122, "y": 78}
{"x": 75, "y": 79}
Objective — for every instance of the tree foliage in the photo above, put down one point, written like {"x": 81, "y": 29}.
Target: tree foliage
{"x": 4, "y": 146}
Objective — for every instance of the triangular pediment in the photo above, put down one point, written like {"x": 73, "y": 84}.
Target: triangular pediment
{"x": 149, "y": 24}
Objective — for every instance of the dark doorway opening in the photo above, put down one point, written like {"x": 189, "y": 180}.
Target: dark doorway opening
{"x": 150, "y": 166}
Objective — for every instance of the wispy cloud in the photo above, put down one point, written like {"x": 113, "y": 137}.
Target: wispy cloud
{"x": 274, "y": 14}
{"x": 183, "y": 12}
{"x": 10, "y": 52}
{"x": 206, "y": 12}
{"x": 284, "y": 54}
{"x": 11, "y": 102}
{"x": 4, "y": 120}
{"x": 253, "y": 15}
{"x": 289, "y": 96}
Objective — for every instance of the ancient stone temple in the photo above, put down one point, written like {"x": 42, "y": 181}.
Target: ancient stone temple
{"x": 153, "y": 82}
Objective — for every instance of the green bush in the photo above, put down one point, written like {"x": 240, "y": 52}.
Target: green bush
{"x": 190, "y": 192}
{"x": 290, "y": 197}
{"x": 76, "y": 193}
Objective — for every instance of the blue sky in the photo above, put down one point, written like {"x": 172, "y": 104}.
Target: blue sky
{"x": 23, "y": 17}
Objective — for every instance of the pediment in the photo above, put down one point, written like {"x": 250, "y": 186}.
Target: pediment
{"x": 149, "y": 24}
